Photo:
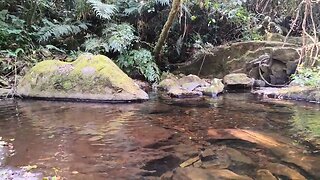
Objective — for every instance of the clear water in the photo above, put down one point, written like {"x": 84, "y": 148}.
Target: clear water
{"x": 143, "y": 141}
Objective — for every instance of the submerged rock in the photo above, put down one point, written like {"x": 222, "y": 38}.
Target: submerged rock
{"x": 264, "y": 174}
{"x": 192, "y": 173}
{"x": 90, "y": 77}
{"x": 283, "y": 170}
{"x": 278, "y": 145}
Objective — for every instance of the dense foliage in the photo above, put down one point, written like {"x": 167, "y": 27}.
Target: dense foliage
{"x": 127, "y": 30}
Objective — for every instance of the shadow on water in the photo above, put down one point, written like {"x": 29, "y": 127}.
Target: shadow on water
{"x": 118, "y": 141}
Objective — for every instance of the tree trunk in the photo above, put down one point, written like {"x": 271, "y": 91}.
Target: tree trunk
{"x": 165, "y": 30}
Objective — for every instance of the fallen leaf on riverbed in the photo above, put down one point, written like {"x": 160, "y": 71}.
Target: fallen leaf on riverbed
{"x": 189, "y": 162}
{"x": 75, "y": 172}
{"x": 29, "y": 167}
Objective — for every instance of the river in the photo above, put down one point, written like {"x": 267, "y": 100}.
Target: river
{"x": 73, "y": 140}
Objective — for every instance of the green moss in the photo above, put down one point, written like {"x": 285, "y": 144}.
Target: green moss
{"x": 67, "y": 85}
{"x": 88, "y": 74}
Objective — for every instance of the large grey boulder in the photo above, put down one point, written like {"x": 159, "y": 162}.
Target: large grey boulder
{"x": 90, "y": 77}
{"x": 238, "y": 79}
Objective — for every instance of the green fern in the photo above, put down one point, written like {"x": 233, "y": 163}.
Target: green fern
{"x": 102, "y": 10}
{"x": 141, "y": 61}
{"x": 96, "y": 45}
{"x": 162, "y": 2}
{"x": 51, "y": 30}
{"x": 120, "y": 36}
{"x": 116, "y": 38}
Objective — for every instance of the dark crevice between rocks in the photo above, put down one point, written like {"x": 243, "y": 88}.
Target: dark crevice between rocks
{"x": 160, "y": 166}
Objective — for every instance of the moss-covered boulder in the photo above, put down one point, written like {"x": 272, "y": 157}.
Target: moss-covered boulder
{"x": 90, "y": 77}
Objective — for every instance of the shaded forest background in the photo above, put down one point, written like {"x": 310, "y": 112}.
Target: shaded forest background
{"x": 127, "y": 30}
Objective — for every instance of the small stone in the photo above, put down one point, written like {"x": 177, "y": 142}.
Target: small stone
{"x": 264, "y": 174}
{"x": 280, "y": 169}
{"x": 189, "y": 162}
{"x": 237, "y": 156}
{"x": 207, "y": 154}
{"x": 75, "y": 172}
{"x": 197, "y": 164}
{"x": 95, "y": 138}
{"x": 259, "y": 83}
{"x": 167, "y": 176}
{"x": 215, "y": 88}
{"x": 238, "y": 79}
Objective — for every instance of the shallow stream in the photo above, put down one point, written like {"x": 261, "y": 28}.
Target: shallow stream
{"x": 145, "y": 140}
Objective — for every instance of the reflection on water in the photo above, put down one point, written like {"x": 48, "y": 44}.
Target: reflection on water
{"x": 131, "y": 141}
{"x": 306, "y": 123}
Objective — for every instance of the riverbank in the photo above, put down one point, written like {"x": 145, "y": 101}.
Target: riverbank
{"x": 298, "y": 93}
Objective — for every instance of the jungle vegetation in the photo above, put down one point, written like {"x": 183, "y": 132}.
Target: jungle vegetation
{"x": 142, "y": 36}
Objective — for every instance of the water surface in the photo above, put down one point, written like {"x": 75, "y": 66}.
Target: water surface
{"x": 143, "y": 141}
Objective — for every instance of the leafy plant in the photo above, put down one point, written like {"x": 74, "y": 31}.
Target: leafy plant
{"x": 102, "y": 10}
{"x": 116, "y": 38}
{"x": 52, "y": 30}
{"x": 142, "y": 61}
{"x": 307, "y": 77}
{"x": 12, "y": 32}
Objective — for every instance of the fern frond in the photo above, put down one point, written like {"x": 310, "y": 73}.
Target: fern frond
{"x": 142, "y": 61}
{"x": 94, "y": 44}
{"x": 102, "y": 10}
{"x": 51, "y": 30}
{"x": 119, "y": 36}
{"x": 162, "y": 2}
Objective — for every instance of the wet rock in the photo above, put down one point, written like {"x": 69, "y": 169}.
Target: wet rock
{"x": 90, "y": 77}
{"x": 95, "y": 138}
{"x": 294, "y": 92}
{"x": 167, "y": 176}
{"x": 259, "y": 83}
{"x": 179, "y": 92}
{"x": 283, "y": 170}
{"x": 167, "y": 84}
{"x": 190, "y": 86}
{"x": 237, "y": 156}
{"x": 227, "y": 174}
{"x": 215, "y": 88}
{"x": 264, "y": 174}
{"x": 18, "y": 174}
{"x": 239, "y": 80}
{"x": 148, "y": 136}
{"x": 278, "y": 145}
{"x": 207, "y": 154}
{"x": 197, "y": 164}
{"x": 192, "y": 173}
{"x": 4, "y": 152}
{"x": 195, "y": 80}
{"x": 215, "y": 159}
{"x": 145, "y": 86}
